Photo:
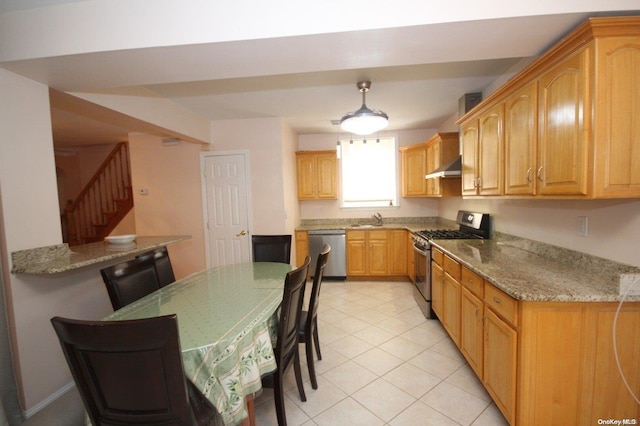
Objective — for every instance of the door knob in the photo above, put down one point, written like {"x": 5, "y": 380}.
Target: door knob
{"x": 242, "y": 233}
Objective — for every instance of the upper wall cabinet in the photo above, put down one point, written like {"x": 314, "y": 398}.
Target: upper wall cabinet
{"x": 566, "y": 126}
{"x": 317, "y": 175}
{"x": 420, "y": 159}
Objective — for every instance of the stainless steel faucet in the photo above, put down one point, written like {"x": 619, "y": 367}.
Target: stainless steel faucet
{"x": 378, "y": 217}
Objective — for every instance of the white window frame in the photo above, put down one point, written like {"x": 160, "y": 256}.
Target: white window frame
{"x": 360, "y": 204}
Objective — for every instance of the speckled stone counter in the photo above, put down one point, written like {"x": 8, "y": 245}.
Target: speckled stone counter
{"x": 61, "y": 258}
{"x": 531, "y": 271}
{"x": 411, "y": 224}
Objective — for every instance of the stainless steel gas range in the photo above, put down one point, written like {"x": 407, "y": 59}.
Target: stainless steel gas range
{"x": 471, "y": 226}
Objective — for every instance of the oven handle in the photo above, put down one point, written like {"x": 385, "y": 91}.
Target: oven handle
{"x": 420, "y": 251}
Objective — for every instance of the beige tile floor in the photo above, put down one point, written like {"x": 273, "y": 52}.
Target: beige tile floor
{"x": 382, "y": 363}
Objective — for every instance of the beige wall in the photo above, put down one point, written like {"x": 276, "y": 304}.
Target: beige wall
{"x": 171, "y": 174}
{"x": 30, "y": 218}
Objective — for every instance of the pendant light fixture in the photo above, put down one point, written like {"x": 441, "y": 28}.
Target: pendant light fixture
{"x": 364, "y": 121}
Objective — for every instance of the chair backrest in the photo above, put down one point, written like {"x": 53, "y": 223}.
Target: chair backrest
{"x": 127, "y": 372}
{"x": 162, "y": 262}
{"x": 290, "y": 309}
{"x": 271, "y": 248}
{"x": 323, "y": 257}
{"x": 129, "y": 281}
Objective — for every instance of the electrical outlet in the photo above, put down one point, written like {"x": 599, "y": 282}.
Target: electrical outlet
{"x": 583, "y": 226}
{"x": 630, "y": 284}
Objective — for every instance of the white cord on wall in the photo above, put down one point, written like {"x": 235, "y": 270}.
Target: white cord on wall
{"x": 615, "y": 345}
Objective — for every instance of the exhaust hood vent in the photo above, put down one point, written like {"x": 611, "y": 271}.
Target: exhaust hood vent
{"x": 449, "y": 170}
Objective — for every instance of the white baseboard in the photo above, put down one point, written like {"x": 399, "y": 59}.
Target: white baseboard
{"x": 66, "y": 388}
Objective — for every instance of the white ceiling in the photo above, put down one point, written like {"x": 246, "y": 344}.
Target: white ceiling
{"x": 418, "y": 73}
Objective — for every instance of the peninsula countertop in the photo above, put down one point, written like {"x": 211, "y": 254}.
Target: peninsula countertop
{"x": 62, "y": 258}
{"x": 530, "y": 271}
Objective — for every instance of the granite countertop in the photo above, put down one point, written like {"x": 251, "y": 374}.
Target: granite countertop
{"x": 531, "y": 271}
{"x": 62, "y": 258}
{"x": 411, "y": 224}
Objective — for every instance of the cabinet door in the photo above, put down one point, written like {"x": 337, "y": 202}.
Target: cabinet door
{"x": 434, "y": 155}
{"x": 398, "y": 252}
{"x": 378, "y": 257}
{"x": 451, "y": 308}
{"x": 617, "y": 128}
{"x": 520, "y": 139}
{"x": 471, "y": 332}
{"x": 563, "y": 114}
{"x": 500, "y": 346}
{"x": 437, "y": 289}
{"x": 326, "y": 176}
{"x": 414, "y": 168}
{"x": 469, "y": 158}
{"x": 306, "y": 166}
{"x": 490, "y": 145}
{"x": 356, "y": 257}
{"x": 302, "y": 247}
{"x": 411, "y": 271}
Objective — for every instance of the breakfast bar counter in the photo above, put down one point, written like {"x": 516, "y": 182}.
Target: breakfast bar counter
{"x": 61, "y": 258}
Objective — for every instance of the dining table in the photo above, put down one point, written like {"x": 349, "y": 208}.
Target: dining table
{"x": 227, "y": 321}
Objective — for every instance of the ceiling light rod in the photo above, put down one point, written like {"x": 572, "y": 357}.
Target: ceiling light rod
{"x": 364, "y": 121}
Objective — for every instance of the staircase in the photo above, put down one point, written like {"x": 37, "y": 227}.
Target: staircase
{"x": 103, "y": 203}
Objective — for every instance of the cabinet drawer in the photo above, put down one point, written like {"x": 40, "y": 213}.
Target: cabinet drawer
{"x": 452, "y": 267}
{"x": 437, "y": 256}
{"x": 378, "y": 235}
{"x": 501, "y": 303}
{"x": 473, "y": 282}
{"x": 355, "y": 235}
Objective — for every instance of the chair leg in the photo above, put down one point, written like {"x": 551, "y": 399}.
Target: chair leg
{"x": 278, "y": 396}
{"x": 308, "y": 346}
{"x": 316, "y": 339}
{"x": 298, "y": 373}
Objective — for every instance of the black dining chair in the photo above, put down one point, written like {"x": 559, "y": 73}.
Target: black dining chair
{"x": 131, "y": 372}
{"x": 286, "y": 348}
{"x": 162, "y": 262}
{"x": 308, "y": 325}
{"x": 129, "y": 281}
{"x": 271, "y": 248}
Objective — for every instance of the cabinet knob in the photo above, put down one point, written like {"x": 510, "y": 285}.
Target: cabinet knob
{"x": 529, "y": 175}
{"x": 539, "y": 173}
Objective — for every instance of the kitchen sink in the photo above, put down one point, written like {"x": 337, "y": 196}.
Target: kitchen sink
{"x": 357, "y": 225}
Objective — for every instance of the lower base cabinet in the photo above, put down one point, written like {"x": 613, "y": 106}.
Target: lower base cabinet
{"x": 544, "y": 363}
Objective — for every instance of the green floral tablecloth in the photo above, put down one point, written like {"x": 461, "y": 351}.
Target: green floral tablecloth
{"x": 225, "y": 317}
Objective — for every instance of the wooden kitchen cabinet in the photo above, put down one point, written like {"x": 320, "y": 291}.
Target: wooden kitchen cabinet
{"x": 317, "y": 175}
{"x": 442, "y": 148}
{"x": 302, "y": 247}
{"x": 471, "y": 320}
{"x": 367, "y": 253}
{"x": 420, "y": 159}
{"x": 437, "y": 289}
{"x": 411, "y": 267}
{"x": 520, "y": 141}
{"x": 500, "y": 363}
{"x": 569, "y": 124}
{"x": 398, "y": 252}
{"x": 414, "y": 168}
{"x": 483, "y": 148}
{"x": 451, "y": 291}
{"x": 562, "y": 146}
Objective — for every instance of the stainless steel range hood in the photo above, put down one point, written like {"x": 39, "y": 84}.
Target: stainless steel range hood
{"x": 449, "y": 170}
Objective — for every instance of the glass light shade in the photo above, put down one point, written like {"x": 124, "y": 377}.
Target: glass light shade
{"x": 364, "y": 121}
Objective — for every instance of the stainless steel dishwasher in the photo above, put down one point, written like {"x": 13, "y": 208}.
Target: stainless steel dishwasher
{"x": 337, "y": 264}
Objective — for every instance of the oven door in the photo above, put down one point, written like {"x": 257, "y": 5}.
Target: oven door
{"x": 422, "y": 288}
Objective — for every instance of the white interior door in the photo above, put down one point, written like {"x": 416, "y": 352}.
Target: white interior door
{"x": 227, "y": 206}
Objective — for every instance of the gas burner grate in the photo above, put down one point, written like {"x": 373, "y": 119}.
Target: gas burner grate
{"x": 448, "y": 234}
